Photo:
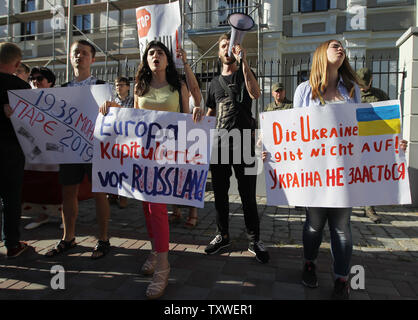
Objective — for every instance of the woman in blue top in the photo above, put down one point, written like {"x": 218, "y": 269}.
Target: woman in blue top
{"x": 332, "y": 80}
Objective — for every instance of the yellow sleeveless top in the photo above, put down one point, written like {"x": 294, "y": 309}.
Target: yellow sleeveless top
{"x": 162, "y": 99}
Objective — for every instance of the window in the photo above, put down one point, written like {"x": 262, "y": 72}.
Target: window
{"x": 226, "y": 7}
{"x": 313, "y": 5}
{"x": 27, "y": 28}
{"x": 82, "y": 22}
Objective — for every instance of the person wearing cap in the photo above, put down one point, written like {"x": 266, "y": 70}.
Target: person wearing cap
{"x": 41, "y": 189}
{"x": 280, "y": 101}
{"x": 370, "y": 94}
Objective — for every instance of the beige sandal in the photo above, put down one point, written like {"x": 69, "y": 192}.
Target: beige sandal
{"x": 149, "y": 265}
{"x": 159, "y": 282}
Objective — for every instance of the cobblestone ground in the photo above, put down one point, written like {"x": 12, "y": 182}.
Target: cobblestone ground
{"x": 388, "y": 252}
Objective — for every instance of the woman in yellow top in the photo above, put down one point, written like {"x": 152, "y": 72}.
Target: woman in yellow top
{"x": 157, "y": 88}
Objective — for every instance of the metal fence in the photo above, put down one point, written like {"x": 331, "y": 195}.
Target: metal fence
{"x": 291, "y": 73}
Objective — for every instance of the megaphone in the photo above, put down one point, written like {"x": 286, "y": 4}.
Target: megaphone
{"x": 240, "y": 24}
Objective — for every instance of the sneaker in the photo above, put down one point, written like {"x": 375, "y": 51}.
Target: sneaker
{"x": 260, "y": 252}
{"x": 371, "y": 214}
{"x": 309, "y": 278}
{"x": 217, "y": 244}
{"x": 36, "y": 224}
{"x": 341, "y": 290}
{"x": 17, "y": 251}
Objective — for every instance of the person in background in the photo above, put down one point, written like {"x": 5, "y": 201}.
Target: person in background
{"x": 370, "y": 94}
{"x": 12, "y": 159}
{"x": 230, "y": 99}
{"x": 195, "y": 101}
{"x": 280, "y": 101}
{"x": 41, "y": 189}
{"x": 125, "y": 100}
{"x": 71, "y": 176}
{"x": 23, "y": 72}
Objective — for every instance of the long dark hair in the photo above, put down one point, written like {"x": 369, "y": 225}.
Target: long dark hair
{"x": 144, "y": 75}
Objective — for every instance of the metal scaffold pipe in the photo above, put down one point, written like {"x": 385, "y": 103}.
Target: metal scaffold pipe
{"x": 69, "y": 38}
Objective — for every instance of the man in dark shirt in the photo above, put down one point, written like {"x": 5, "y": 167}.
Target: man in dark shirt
{"x": 368, "y": 95}
{"x": 12, "y": 159}
{"x": 230, "y": 98}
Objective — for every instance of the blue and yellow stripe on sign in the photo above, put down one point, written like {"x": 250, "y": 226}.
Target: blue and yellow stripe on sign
{"x": 378, "y": 120}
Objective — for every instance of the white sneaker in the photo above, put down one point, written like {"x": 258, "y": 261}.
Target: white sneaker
{"x": 34, "y": 225}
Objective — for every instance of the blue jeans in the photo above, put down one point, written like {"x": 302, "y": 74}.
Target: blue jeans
{"x": 12, "y": 162}
{"x": 341, "y": 238}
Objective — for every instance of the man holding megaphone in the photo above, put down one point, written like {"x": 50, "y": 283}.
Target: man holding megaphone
{"x": 230, "y": 98}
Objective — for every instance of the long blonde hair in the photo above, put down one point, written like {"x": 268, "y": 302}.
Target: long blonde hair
{"x": 318, "y": 78}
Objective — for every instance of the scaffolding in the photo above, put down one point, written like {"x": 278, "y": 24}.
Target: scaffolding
{"x": 112, "y": 57}
{"x": 70, "y": 11}
{"x": 97, "y": 7}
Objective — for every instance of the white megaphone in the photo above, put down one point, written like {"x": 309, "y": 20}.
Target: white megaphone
{"x": 240, "y": 23}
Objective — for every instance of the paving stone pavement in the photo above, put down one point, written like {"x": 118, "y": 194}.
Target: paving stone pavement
{"x": 387, "y": 251}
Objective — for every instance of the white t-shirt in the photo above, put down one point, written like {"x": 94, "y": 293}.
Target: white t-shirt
{"x": 192, "y": 104}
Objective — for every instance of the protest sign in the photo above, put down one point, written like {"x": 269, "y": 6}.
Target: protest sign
{"x": 160, "y": 22}
{"x": 56, "y": 125}
{"x": 340, "y": 155}
{"x": 155, "y": 156}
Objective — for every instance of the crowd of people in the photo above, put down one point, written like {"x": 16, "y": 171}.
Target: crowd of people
{"x": 159, "y": 87}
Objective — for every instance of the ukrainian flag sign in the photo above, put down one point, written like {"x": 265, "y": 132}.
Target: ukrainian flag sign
{"x": 379, "y": 120}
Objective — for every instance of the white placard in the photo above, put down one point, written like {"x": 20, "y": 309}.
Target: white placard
{"x": 56, "y": 125}
{"x": 155, "y": 156}
{"x": 160, "y": 22}
{"x": 340, "y": 155}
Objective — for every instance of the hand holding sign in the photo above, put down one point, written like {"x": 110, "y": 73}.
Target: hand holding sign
{"x": 56, "y": 125}
{"x": 8, "y": 111}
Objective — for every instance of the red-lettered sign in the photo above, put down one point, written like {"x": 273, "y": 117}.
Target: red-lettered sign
{"x": 143, "y": 20}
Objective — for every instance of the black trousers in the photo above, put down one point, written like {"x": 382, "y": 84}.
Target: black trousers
{"x": 221, "y": 174}
{"x": 12, "y": 163}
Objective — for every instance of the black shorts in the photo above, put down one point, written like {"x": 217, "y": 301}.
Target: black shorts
{"x": 73, "y": 173}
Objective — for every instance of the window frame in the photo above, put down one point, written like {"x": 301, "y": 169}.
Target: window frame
{"x": 314, "y": 7}
{"x": 27, "y": 29}
{"x": 86, "y": 19}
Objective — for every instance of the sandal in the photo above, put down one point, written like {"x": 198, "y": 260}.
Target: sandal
{"x": 191, "y": 222}
{"x": 103, "y": 247}
{"x": 159, "y": 282}
{"x": 149, "y": 265}
{"x": 61, "y": 247}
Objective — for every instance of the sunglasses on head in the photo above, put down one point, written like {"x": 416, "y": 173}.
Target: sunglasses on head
{"x": 37, "y": 78}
